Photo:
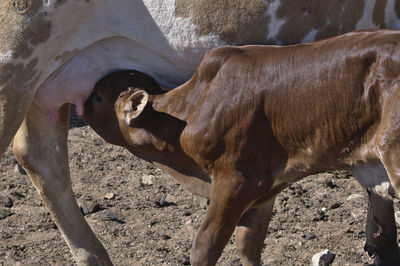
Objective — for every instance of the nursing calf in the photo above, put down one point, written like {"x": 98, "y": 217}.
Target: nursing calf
{"x": 254, "y": 119}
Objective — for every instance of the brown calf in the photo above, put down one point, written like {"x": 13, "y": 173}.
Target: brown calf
{"x": 257, "y": 118}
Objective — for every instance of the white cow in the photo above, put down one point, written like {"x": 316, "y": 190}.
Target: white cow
{"x": 53, "y": 52}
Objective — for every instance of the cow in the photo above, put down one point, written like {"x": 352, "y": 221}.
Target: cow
{"x": 254, "y": 119}
{"x": 53, "y": 52}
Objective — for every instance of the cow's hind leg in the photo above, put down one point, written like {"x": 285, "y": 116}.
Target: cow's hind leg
{"x": 229, "y": 199}
{"x": 251, "y": 232}
{"x": 381, "y": 231}
{"x": 41, "y": 148}
{"x": 381, "y": 228}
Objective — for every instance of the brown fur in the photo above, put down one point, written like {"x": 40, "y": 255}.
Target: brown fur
{"x": 257, "y": 118}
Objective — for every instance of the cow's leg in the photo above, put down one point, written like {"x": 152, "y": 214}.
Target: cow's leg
{"x": 251, "y": 232}
{"x": 381, "y": 231}
{"x": 381, "y": 215}
{"x": 13, "y": 105}
{"x": 229, "y": 198}
{"x": 41, "y": 148}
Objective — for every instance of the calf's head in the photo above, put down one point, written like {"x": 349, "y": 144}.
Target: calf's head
{"x": 99, "y": 107}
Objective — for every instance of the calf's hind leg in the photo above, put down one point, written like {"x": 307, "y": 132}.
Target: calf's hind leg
{"x": 251, "y": 232}
{"x": 41, "y": 148}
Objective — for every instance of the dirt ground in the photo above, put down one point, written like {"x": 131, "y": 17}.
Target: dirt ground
{"x": 151, "y": 220}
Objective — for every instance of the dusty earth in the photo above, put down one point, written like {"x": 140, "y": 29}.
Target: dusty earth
{"x": 143, "y": 217}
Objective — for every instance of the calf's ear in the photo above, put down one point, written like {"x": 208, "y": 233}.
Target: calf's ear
{"x": 134, "y": 105}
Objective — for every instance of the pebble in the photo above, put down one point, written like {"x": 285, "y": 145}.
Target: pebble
{"x": 355, "y": 196}
{"x": 84, "y": 209}
{"x": 110, "y": 195}
{"x": 323, "y": 258}
{"x": 162, "y": 200}
{"x": 335, "y": 205}
{"x": 397, "y": 217}
{"x": 309, "y": 236}
{"x": 107, "y": 216}
{"x": 147, "y": 180}
{"x": 235, "y": 262}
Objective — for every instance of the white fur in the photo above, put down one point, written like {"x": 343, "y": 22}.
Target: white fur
{"x": 310, "y": 36}
{"x": 109, "y": 35}
{"x": 365, "y": 22}
{"x": 374, "y": 177}
{"x": 391, "y": 19}
{"x": 276, "y": 23}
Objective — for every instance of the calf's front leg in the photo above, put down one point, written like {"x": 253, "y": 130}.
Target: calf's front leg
{"x": 41, "y": 148}
{"x": 251, "y": 232}
{"x": 229, "y": 199}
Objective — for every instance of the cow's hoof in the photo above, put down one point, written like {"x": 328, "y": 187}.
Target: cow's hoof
{"x": 390, "y": 256}
{"x": 377, "y": 261}
{"x": 85, "y": 258}
{"x": 371, "y": 249}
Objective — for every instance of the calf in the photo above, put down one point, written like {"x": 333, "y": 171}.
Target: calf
{"x": 254, "y": 119}
{"x": 258, "y": 118}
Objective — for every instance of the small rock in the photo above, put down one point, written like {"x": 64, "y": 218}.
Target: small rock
{"x": 110, "y": 195}
{"x": 171, "y": 199}
{"x": 235, "y": 262}
{"x": 84, "y": 209}
{"x": 107, "y": 215}
{"x": 4, "y": 213}
{"x": 147, "y": 180}
{"x": 323, "y": 258}
{"x": 335, "y": 205}
{"x": 355, "y": 196}
{"x": 309, "y": 236}
{"x": 397, "y": 217}
{"x": 6, "y": 202}
{"x": 162, "y": 200}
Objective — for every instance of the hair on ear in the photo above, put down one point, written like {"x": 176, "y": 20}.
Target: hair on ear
{"x": 134, "y": 105}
